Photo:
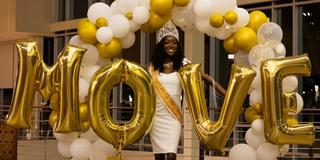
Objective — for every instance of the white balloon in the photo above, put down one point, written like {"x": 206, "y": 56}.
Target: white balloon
{"x": 242, "y": 152}
{"x": 102, "y": 146}
{"x": 241, "y": 57}
{"x": 203, "y": 8}
{"x": 126, "y": 6}
{"x": 278, "y": 48}
{"x": 102, "y": 61}
{"x": 289, "y": 83}
{"x": 284, "y": 150}
{"x": 128, "y": 41}
{"x": 97, "y": 10}
{"x": 203, "y": 25}
{"x": 119, "y": 25}
{"x": 299, "y": 103}
{"x": 81, "y": 148}
{"x": 90, "y": 135}
{"x": 140, "y": 14}
{"x": 254, "y": 139}
{"x": 88, "y": 71}
{"x": 91, "y": 56}
{"x": 258, "y": 126}
{"x": 269, "y": 31}
{"x": 104, "y": 35}
{"x": 75, "y": 40}
{"x": 255, "y": 97}
{"x": 256, "y": 83}
{"x": 222, "y": 7}
{"x": 114, "y": 8}
{"x": 64, "y": 149}
{"x": 243, "y": 18}
{"x": 66, "y": 137}
{"x": 145, "y": 3}
{"x": 134, "y": 26}
{"x": 98, "y": 155}
{"x": 268, "y": 151}
{"x": 260, "y": 53}
{"x": 83, "y": 89}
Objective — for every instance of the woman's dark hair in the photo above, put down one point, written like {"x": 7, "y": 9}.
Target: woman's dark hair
{"x": 159, "y": 57}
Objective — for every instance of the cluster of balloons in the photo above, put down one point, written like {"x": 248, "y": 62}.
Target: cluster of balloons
{"x": 86, "y": 145}
{"x": 91, "y": 62}
{"x": 110, "y": 29}
{"x": 267, "y": 44}
{"x": 257, "y": 147}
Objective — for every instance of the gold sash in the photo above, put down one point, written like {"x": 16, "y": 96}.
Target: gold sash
{"x": 170, "y": 104}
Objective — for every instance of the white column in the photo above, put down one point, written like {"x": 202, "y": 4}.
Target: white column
{"x": 194, "y": 51}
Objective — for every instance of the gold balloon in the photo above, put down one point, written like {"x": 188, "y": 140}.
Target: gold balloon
{"x": 258, "y": 108}
{"x": 231, "y": 17}
{"x": 157, "y": 21}
{"x": 85, "y": 125}
{"x": 114, "y": 158}
{"x": 101, "y": 21}
{"x": 110, "y": 50}
{"x": 83, "y": 111}
{"x": 291, "y": 121}
{"x": 147, "y": 28}
{"x": 214, "y": 135}
{"x": 161, "y": 7}
{"x": 129, "y": 15}
{"x": 101, "y": 86}
{"x": 229, "y": 45}
{"x": 277, "y": 131}
{"x": 216, "y": 20}
{"x": 250, "y": 115}
{"x": 62, "y": 79}
{"x": 87, "y": 31}
{"x": 181, "y": 3}
{"x": 257, "y": 18}
{"x": 53, "y": 119}
{"x": 245, "y": 38}
{"x": 54, "y": 102}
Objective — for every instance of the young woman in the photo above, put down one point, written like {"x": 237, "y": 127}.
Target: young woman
{"x": 167, "y": 59}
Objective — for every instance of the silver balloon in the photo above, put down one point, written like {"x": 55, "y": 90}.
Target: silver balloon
{"x": 241, "y": 57}
{"x": 223, "y": 32}
{"x": 269, "y": 31}
{"x": 184, "y": 16}
{"x": 278, "y": 48}
{"x": 260, "y": 53}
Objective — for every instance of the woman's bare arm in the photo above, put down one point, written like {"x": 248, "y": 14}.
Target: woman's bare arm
{"x": 213, "y": 83}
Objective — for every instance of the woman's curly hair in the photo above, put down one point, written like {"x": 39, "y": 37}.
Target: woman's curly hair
{"x": 159, "y": 56}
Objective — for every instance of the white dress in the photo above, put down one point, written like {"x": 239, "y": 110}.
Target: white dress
{"x": 166, "y": 130}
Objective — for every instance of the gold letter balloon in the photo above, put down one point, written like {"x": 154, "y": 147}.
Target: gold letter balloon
{"x": 101, "y": 86}
{"x": 276, "y": 101}
{"x": 214, "y": 135}
{"x": 35, "y": 75}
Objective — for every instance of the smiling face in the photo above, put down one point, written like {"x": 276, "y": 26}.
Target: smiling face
{"x": 170, "y": 45}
